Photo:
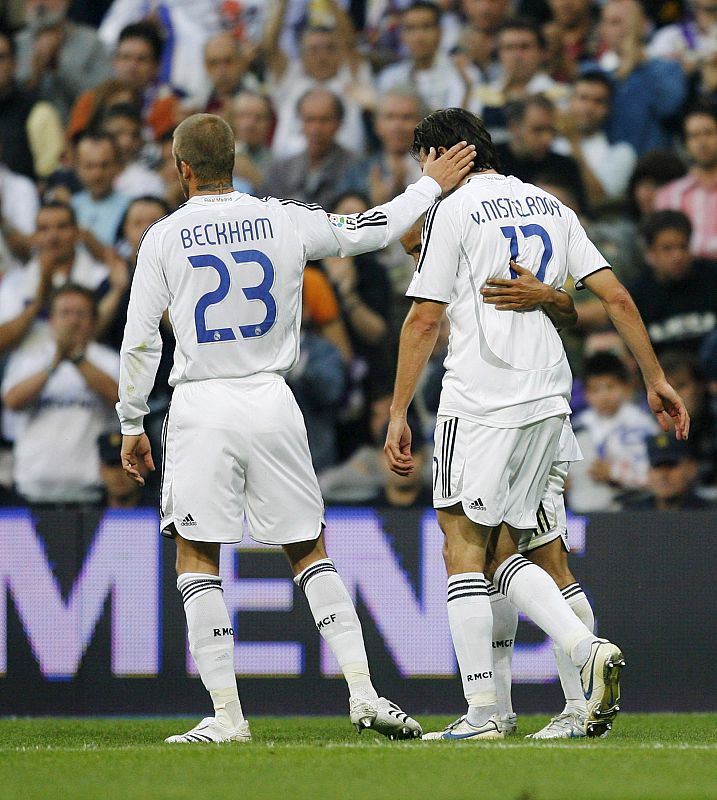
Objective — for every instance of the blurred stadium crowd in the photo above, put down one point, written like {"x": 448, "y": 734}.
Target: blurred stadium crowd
{"x": 611, "y": 106}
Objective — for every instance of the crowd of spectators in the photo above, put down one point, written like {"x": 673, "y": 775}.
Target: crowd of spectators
{"x": 611, "y": 105}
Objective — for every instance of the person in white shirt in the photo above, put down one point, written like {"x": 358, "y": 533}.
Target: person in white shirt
{"x": 503, "y": 404}
{"x": 229, "y": 268}
{"x": 604, "y": 167}
{"x": 60, "y": 259}
{"x": 428, "y": 69}
{"x": 613, "y": 434}
{"x": 329, "y": 60}
{"x": 62, "y": 391}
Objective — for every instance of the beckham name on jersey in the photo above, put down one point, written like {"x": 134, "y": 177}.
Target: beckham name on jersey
{"x": 233, "y": 231}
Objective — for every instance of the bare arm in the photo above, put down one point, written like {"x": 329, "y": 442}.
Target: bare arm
{"x": 12, "y": 331}
{"x": 526, "y": 293}
{"x": 335, "y": 332}
{"x": 418, "y": 338}
{"x": 100, "y": 382}
{"x": 623, "y": 313}
{"x": 26, "y": 392}
{"x": 275, "y": 57}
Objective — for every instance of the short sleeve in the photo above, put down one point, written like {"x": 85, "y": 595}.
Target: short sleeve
{"x": 440, "y": 252}
{"x": 583, "y": 257}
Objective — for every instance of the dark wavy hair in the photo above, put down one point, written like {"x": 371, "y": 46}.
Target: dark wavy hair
{"x": 452, "y": 125}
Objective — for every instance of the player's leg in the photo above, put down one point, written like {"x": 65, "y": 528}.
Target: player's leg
{"x": 471, "y": 624}
{"x": 211, "y": 641}
{"x": 534, "y": 593}
{"x": 337, "y": 622}
{"x": 505, "y": 626}
{"x": 284, "y": 507}
{"x": 570, "y": 723}
{"x": 202, "y": 498}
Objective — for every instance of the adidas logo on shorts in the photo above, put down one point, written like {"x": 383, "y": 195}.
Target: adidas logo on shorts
{"x": 188, "y": 520}
{"x": 476, "y": 505}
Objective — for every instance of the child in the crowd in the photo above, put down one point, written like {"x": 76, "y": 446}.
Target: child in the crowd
{"x": 612, "y": 433}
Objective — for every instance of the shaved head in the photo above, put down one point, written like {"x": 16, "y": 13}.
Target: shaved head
{"x": 206, "y": 143}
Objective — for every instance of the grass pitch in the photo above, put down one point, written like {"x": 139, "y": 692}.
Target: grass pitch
{"x": 651, "y": 756}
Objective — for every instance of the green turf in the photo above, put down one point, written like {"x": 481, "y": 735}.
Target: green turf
{"x": 670, "y": 756}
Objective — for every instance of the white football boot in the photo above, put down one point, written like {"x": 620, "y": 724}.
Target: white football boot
{"x": 384, "y": 717}
{"x": 209, "y": 730}
{"x": 567, "y": 725}
{"x": 600, "y": 678}
{"x": 508, "y": 724}
{"x": 462, "y": 729}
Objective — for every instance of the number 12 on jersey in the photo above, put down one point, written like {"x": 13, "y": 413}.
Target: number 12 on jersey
{"x": 260, "y": 292}
{"x": 529, "y": 230}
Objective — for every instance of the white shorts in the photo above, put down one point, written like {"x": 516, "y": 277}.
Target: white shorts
{"x": 236, "y": 447}
{"x": 497, "y": 474}
{"x": 551, "y": 517}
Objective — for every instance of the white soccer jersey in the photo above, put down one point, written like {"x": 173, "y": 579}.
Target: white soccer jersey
{"x": 230, "y": 269}
{"x": 503, "y": 368}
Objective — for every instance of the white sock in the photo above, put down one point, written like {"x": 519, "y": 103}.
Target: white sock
{"x": 471, "y": 623}
{"x": 338, "y": 623}
{"x": 569, "y": 675}
{"x": 505, "y": 624}
{"x": 534, "y": 592}
{"x": 211, "y": 642}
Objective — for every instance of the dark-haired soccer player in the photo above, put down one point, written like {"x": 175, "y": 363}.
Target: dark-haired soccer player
{"x": 504, "y": 400}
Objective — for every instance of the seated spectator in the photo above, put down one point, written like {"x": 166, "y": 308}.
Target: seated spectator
{"x": 475, "y": 58}
{"x": 572, "y": 38}
{"x": 671, "y": 478}
{"x": 59, "y": 259}
{"x": 311, "y": 175}
{"x": 30, "y": 128}
{"x": 648, "y": 91}
{"x": 677, "y": 295}
{"x": 92, "y": 107}
{"x": 135, "y": 179}
{"x": 652, "y": 171}
{"x": 683, "y": 372}
{"x": 186, "y": 26}
{"x": 136, "y": 66}
{"x": 528, "y": 154}
{"x": 62, "y": 392}
{"x": 141, "y": 213}
{"x": 56, "y": 57}
{"x": 604, "y": 168}
{"x": 429, "y": 70}
{"x": 691, "y": 41}
{"x": 227, "y": 68}
{"x": 329, "y": 61}
{"x": 612, "y": 433}
{"x": 521, "y": 54}
{"x": 120, "y": 491}
{"x": 696, "y": 193}
{"x": 99, "y": 207}
{"x": 18, "y": 211}
{"x": 251, "y": 117}
{"x": 386, "y": 174}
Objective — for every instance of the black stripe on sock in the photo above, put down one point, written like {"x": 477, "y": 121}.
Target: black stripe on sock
{"x": 491, "y": 589}
{"x": 452, "y": 583}
{"x": 568, "y": 595}
{"x": 476, "y": 587}
{"x": 507, "y": 576}
{"x": 191, "y": 587}
{"x": 476, "y": 593}
{"x": 188, "y": 595}
{"x": 315, "y": 570}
